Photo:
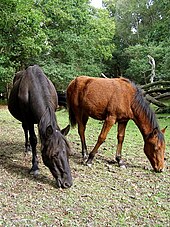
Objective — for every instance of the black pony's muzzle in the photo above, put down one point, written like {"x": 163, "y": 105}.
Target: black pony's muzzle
{"x": 64, "y": 184}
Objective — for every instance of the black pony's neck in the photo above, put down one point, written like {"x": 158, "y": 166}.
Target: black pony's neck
{"x": 47, "y": 119}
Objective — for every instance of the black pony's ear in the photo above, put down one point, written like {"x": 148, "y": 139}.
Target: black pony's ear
{"x": 65, "y": 130}
{"x": 49, "y": 131}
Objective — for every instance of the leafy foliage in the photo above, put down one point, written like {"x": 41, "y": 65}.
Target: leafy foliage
{"x": 142, "y": 28}
{"x": 65, "y": 39}
{"x": 71, "y": 39}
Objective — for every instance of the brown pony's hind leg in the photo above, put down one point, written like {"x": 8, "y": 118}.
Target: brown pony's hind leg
{"x": 109, "y": 122}
{"x": 81, "y": 131}
{"x": 120, "y": 138}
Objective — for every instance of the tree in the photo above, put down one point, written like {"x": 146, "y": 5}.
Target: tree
{"x": 80, "y": 40}
{"x": 65, "y": 39}
{"x": 21, "y": 39}
{"x": 141, "y": 25}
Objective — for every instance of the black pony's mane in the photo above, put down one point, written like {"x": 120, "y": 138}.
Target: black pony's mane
{"x": 49, "y": 118}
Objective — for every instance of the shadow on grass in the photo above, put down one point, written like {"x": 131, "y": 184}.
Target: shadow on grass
{"x": 110, "y": 161}
{"x": 76, "y": 157}
{"x": 12, "y": 160}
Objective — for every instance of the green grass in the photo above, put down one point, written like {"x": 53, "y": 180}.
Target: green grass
{"x": 104, "y": 195}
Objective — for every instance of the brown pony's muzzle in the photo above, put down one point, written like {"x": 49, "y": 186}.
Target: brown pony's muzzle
{"x": 159, "y": 170}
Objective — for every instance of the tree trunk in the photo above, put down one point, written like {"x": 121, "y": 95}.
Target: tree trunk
{"x": 152, "y": 63}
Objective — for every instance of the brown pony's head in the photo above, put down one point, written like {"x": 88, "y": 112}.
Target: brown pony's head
{"x": 154, "y": 149}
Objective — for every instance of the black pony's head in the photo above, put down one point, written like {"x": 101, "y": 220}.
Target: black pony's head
{"x": 55, "y": 151}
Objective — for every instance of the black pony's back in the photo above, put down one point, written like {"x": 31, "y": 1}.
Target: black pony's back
{"x": 32, "y": 92}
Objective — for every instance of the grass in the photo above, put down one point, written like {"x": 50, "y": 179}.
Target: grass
{"x": 104, "y": 195}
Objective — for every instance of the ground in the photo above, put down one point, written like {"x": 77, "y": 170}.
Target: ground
{"x": 104, "y": 195}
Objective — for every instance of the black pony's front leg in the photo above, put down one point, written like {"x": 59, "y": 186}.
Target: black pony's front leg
{"x": 27, "y": 142}
{"x": 33, "y": 142}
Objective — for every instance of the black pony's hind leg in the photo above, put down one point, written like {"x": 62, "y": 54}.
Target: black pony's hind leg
{"x": 33, "y": 142}
{"x": 27, "y": 142}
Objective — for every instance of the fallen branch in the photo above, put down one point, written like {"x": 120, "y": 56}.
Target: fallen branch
{"x": 154, "y": 90}
{"x": 163, "y": 96}
{"x": 154, "y": 101}
{"x": 166, "y": 83}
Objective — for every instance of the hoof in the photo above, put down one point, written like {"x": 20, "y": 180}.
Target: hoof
{"x": 27, "y": 153}
{"x": 84, "y": 161}
{"x": 34, "y": 172}
{"x": 89, "y": 164}
{"x": 85, "y": 156}
{"x": 122, "y": 166}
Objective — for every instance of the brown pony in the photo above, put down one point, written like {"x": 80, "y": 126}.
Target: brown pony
{"x": 115, "y": 101}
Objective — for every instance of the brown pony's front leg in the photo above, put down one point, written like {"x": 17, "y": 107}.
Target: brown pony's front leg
{"x": 120, "y": 138}
{"x": 105, "y": 129}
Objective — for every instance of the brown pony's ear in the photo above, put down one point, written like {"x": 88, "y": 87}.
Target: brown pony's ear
{"x": 49, "y": 131}
{"x": 164, "y": 129}
{"x": 154, "y": 133}
{"x": 65, "y": 130}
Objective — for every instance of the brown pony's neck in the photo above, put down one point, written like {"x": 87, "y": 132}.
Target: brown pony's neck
{"x": 144, "y": 117}
{"x": 144, "y": 126}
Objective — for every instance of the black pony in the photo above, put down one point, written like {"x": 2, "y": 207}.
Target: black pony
{"x": 33, "y": 100}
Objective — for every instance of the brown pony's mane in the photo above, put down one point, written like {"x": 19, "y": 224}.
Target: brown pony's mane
{"x": 141, "y": 107}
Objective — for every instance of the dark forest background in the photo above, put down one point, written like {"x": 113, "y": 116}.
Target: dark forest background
{"x": 67, "y": 39}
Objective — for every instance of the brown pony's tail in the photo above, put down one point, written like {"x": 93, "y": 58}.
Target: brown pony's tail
{"x": 70, "y": 96}
{"x": 72, "y": 117}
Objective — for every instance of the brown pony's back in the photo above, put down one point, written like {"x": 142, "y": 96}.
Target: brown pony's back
{"x": 99, "y": 97}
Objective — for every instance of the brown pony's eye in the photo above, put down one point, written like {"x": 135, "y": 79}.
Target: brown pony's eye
{"x": 156, "y": 148}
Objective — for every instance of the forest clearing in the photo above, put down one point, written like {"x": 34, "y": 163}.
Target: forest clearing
{"x": 104, "y": 195}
